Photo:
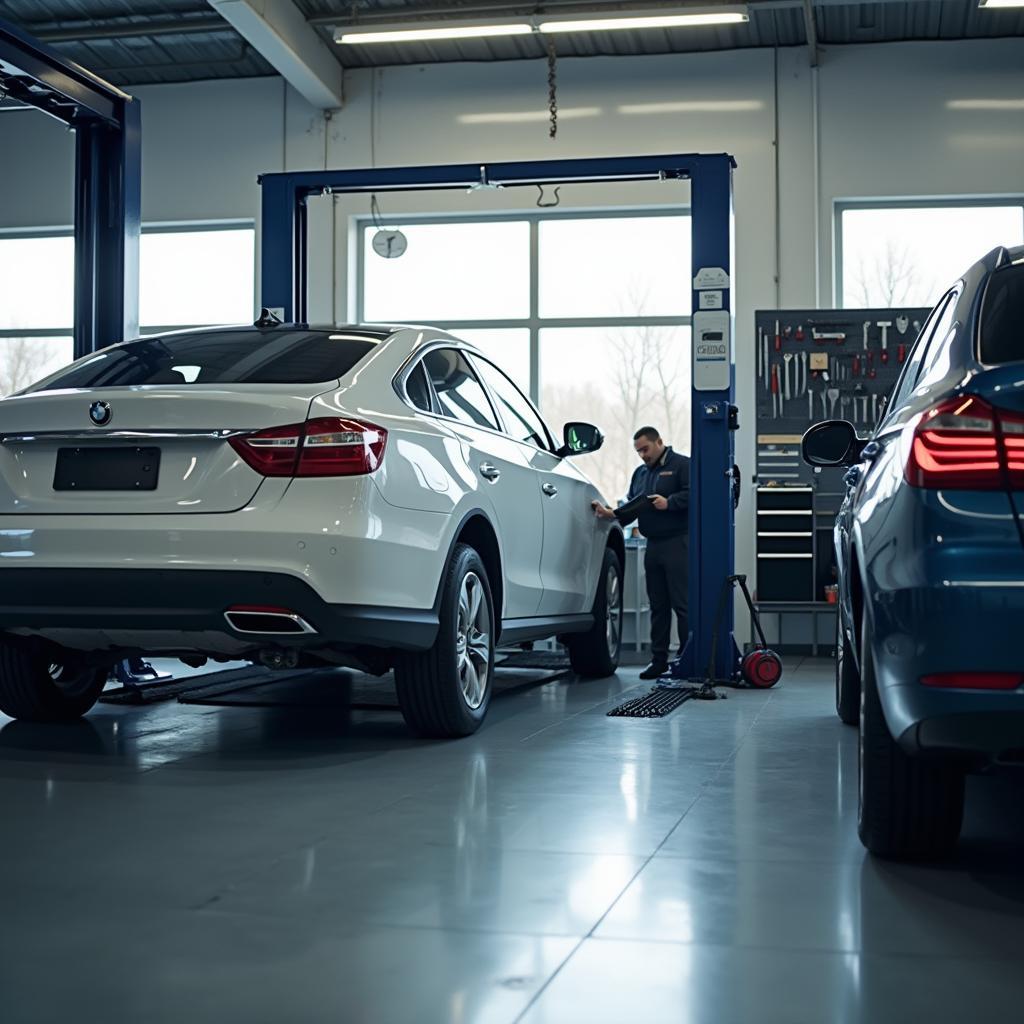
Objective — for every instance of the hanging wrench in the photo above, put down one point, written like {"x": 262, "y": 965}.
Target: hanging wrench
{"x": 833, "y": 394}
{"x": 867, "y": 327}
{"x": 885, "y": 325}
{"x": 787, "y": 358}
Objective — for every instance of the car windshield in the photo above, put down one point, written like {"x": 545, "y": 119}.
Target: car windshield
{"x": 218, "y": 357}
{"x": 1002, "y": 319}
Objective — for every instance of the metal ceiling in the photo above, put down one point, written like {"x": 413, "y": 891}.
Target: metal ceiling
{"x": 152, "y": 41}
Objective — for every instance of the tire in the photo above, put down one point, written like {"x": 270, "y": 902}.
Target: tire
{"x": 595, "y": 654}
{"x": 910, "y": 808}
{"x": 444, "y": 692}
{"x": 847, "y": 680}
{"x": 34, "y": 689}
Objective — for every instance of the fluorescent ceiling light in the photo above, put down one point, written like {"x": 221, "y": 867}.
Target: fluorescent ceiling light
{"x": 691, "y": 107}
{"x": 425, "y": 34}
{"x": 435, "y": 30}
{"x": 528, "y": 116}
{"x": 642, "y": 21}
{"x": 1001, "y": 3}
{"x": 1015, "y": 104}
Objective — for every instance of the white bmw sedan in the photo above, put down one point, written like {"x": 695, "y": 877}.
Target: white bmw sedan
{"x": 379, "y": 497}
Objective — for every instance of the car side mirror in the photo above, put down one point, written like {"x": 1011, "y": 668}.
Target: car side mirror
{"x": 832, "y": 443}
{"x": 580, "y": 438}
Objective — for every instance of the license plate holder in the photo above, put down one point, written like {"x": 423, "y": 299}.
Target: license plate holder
{"x": 128, "y": 468}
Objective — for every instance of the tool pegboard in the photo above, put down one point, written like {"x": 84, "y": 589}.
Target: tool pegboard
{"x": 818, "y": 364}
{"x": 812, "y": 365}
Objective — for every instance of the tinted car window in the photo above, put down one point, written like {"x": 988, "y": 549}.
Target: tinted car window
{"x": 458, "y": 391}
{"x": 1002, "y": 339}
{"x": 937, "y": 359}
{"x": 519, "y": 417}
{"x": 224, "y": 357}
{"x": 417, "y": 387}
{"x": 908, "y": 380}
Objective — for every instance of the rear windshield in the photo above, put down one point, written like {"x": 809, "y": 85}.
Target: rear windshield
{"x": 1002, "y": 319}
{"x": 224, "y": 357}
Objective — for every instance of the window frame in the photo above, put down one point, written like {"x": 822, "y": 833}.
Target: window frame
{"x": 152, "y": 227}
{"x": 533, "y": 322}
{"x": 841, "y": 206}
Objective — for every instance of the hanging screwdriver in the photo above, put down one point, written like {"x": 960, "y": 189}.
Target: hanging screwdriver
{"x": 778, "y": 338}
{"x": 901, "y": 353}
{"x": 856, "y": 366}
{"x": 776, "y": 402}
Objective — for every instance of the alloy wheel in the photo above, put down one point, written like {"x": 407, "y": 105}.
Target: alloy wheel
{"x": 473, "y": 641}
{"x": 613, "y": 611}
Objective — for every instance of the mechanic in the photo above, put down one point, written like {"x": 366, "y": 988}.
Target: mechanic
{"x": 664, "y": 520}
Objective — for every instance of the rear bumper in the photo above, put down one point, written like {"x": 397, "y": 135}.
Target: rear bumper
{"x": 950, "y": 628}
{"x": 172, "y": 609}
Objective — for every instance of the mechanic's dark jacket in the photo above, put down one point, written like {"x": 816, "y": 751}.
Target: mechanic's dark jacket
{"x": 669, "y": 477}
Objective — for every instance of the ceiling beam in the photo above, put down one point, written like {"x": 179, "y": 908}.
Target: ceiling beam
{"x": 811, "y": 28}
{"x": 278, "y": 30}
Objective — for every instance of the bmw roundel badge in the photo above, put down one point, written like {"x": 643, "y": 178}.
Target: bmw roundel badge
{"x": 99, "y": 413}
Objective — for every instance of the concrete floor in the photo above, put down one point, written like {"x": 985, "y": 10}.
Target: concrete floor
{"x": 176, "y": 864}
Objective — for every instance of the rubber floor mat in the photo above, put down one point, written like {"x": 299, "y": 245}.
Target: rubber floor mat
{"x": 656, "y": 704}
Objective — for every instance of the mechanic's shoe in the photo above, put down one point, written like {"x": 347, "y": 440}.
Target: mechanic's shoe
{"x": 654, "y": 670}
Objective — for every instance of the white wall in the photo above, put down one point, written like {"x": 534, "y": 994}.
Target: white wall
{"x": 872, "y": 121}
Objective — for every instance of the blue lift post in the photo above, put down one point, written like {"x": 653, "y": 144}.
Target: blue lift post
{"x": 284, "y": 289}
{"x": 108, "y": 175}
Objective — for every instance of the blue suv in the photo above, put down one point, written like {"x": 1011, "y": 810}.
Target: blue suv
{"x": 930, "y": 548}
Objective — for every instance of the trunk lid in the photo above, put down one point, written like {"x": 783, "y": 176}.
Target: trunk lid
{"x": 164, "y": 449}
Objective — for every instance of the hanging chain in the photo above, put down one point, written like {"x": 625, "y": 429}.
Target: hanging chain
{"x": 553, "y": 87}
{"x": 378, "y": 222}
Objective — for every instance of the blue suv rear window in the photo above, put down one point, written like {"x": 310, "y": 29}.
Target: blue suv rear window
{"x": 218, "y": 357}
{"x": 1002, "y": 319}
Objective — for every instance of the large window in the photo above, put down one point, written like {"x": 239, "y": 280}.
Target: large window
{"x": 188, "y": 277}
{"x": 588, "y": 314}
{"x": 909, "y": 253}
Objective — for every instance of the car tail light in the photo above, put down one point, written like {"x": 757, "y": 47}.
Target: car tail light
{"x": 966, "y": 444}
{"x": 328, "y": 446}
{"x": 975, "y": 680}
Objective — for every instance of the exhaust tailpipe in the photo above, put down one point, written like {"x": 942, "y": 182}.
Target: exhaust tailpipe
{"x": 264, "y": 621}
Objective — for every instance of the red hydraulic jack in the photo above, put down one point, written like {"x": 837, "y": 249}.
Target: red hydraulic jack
{"x": 759, "y": 669}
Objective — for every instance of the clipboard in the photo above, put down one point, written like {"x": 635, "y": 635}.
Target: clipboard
{"x": 626, "y": 513}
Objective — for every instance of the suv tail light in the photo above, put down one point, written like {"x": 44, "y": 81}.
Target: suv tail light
{"x": 328, "y": 446}
{"x": 966, "y": 444}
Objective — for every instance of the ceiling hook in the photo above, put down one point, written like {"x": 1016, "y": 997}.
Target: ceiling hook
{"x": 549, "y": 205}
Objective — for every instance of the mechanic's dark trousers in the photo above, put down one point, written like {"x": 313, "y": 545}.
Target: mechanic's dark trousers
{"x": 667, "y": 565}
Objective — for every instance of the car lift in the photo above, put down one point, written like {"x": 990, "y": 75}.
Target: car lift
{"x": 284, "y": 277}
{"x": 108, "y": 188}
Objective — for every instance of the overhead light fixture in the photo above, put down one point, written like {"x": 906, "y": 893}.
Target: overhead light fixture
{"x": 1001, "y": 3}
{"x": 649, "y": 19}
{"x": 430, "y": 31}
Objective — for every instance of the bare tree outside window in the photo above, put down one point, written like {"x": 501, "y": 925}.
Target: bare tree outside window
{"x": 624, "y": 378}
{"x": 889, "y": 277}
{"x": 23, "y": 361}
{"x": 908, "y": 255}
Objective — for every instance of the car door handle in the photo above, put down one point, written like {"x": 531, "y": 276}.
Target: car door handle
{"x": 489, "y": 472}
{"x": 549, "y": 489}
